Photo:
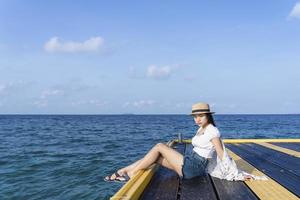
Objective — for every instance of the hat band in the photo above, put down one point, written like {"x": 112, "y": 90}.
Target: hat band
{"x": 201, "y": 110}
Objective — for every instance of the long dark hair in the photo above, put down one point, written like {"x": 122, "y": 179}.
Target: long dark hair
{"x": 210, "y": 119}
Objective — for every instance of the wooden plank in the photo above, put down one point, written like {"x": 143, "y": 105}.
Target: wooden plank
{"x": 197, "y": 188}
{"x": 165, "y": 182}
{"x": 228, "y": 190}
{"x": 285, "y": 161}
{"x": 268, "y": 189}
{"x": 292, "y": 146}
{"x": 281, "y": 149}
{"x": 164, "y": 185}
{"x": 284, "y": 177}
{"x": 292, "y": 140}
{"x": 261, "y": 140}
{"x": 133, "y": 188}
{"x": 200, "y": 187}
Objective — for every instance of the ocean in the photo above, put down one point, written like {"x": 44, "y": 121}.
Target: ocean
{"x": 67, "y": 156}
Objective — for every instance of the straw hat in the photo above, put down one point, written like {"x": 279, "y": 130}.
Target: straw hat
{"x": 200, "y": 108}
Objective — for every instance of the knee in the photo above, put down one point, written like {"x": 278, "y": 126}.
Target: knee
{"x": 159, "y": 145}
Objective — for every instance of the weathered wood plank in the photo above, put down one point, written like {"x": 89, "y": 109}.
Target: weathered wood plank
{"x": 282, "y": 176}
{"x": 198, "y": 187}
{"x": 228, "y": 190}
{"x": 293, "y": 146}
{"x": 164, "y": 183}
{"x": 285, "y": 161}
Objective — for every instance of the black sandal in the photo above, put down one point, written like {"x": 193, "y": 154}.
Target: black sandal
{"x": 125, "y": 176}
{"x": 109, "y": 179}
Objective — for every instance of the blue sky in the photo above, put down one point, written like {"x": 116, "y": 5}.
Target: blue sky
{"x": 149, "y": 57}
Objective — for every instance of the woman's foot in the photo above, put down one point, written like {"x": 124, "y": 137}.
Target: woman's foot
{"x": 114, "y": 176}
{"x": 130, "y": 173}
{"x": 123, "y": 178}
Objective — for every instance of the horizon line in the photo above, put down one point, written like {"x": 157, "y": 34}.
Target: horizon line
{"x": 146, "y": 114}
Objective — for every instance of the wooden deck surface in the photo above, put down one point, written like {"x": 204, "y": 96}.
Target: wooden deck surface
{"x": 283, "y": 168}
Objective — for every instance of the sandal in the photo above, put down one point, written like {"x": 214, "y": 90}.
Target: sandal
{"x": 124, "y": 177}
{"x": 109, "y": 179}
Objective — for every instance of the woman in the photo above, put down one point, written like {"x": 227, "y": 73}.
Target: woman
{"x": 194, "y": 163}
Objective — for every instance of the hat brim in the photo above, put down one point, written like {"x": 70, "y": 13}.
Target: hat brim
{"x": 195, "y": 113}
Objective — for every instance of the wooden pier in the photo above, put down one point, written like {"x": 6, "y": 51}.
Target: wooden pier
{"x": 278, "y": 159}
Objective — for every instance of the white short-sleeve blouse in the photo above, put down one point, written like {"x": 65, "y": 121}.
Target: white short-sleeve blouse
{"x": 202, "y": 142}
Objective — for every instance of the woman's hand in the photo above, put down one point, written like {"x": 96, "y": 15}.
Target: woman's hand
{"x": 248, "y": 177}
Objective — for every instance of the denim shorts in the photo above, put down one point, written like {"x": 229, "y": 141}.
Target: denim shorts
{"x": 193, "y": 165}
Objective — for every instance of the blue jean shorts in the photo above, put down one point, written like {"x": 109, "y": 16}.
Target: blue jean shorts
{"x": 193, "y": 165}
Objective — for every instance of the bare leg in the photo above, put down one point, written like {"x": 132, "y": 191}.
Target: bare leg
{"x": 129, "y": 167}
{"x": 174, "y": 159}
{"x": 163, "y": 162}
{"x": 175, "y": 163}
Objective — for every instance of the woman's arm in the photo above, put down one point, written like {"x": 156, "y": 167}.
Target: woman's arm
{"x": 218, "y": 146}
{"x": 219, "y": 149}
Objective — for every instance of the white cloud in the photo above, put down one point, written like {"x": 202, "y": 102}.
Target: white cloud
{"x": 13, "y": 87}
{"x": 140, "y": 103}
{"x": 295, "y": 13}
{"x": 158, "y": 72}
{"x": 143, "y": 103}
{"x": 47, "y": 93}
{"x": 43, "y": 100}
{"x": 41, "y": 103}
{"x": 93, "y": 102}
{"x": 56, "y": 45}
{"x": 154, "y": 72}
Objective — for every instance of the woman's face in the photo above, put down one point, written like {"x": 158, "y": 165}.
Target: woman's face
{"x": 200, "y": 119}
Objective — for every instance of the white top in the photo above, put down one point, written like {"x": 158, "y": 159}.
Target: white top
{"x": 202, "y": 142}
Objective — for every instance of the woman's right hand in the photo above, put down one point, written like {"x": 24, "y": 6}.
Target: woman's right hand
{"x": 248, "y": 177}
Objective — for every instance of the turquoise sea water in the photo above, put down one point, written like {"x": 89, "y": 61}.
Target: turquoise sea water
{"x": 67, "y": 156}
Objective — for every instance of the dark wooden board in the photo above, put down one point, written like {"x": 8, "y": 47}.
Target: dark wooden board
{"x": 227, "y": 190}
{"x": 289, "y": 180}
{"x": 285, "y": 161}
{"x": 164, "y": 185}
{"x": 197, "y": 188}
{"x": 165, "y": 182}
{"x": 293, "y": 146}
